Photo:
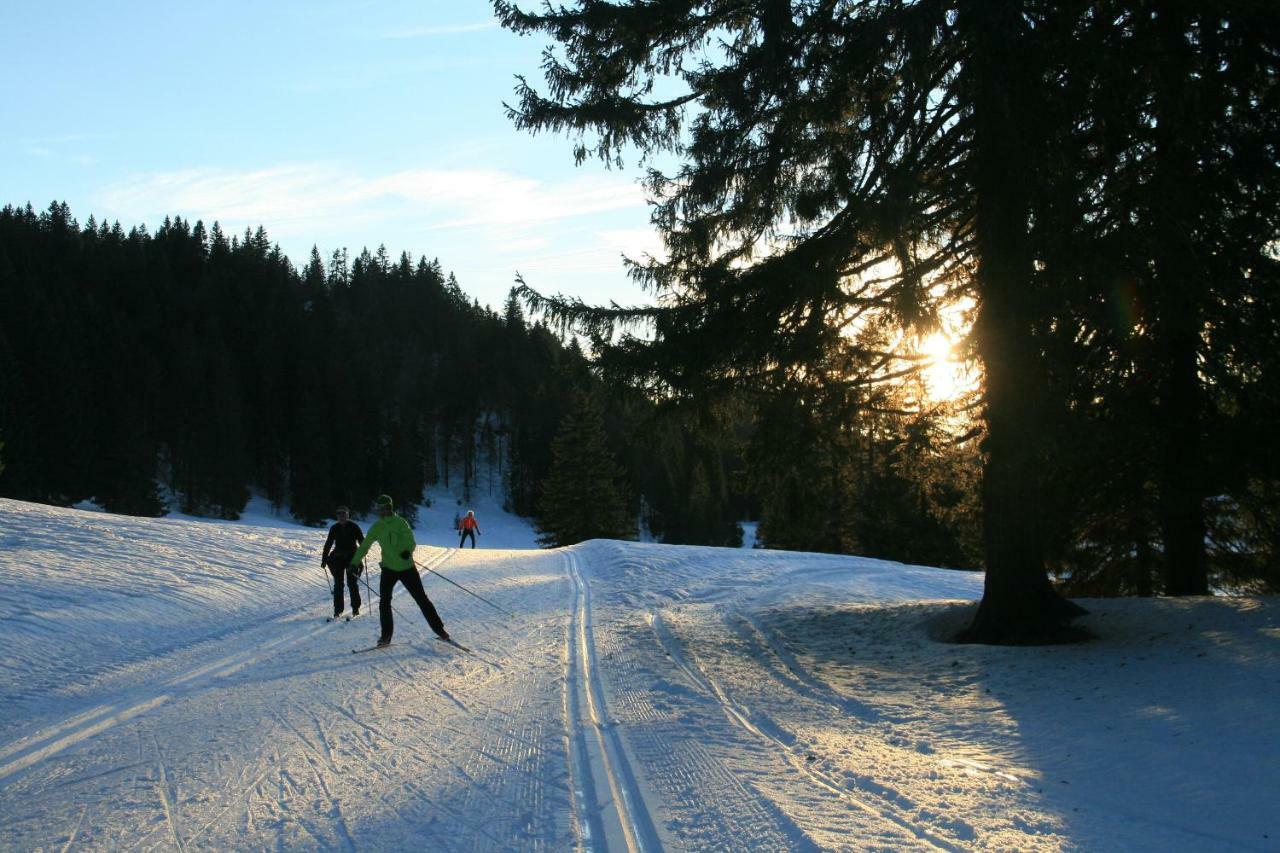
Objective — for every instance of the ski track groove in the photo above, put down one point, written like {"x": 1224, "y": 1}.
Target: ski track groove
{"x": 794, "y": 676}
{"x": 636, "y": 824}
{"x": 707, "y": 800}
{"x": 665, "y": 728}
{"x": 586, "y": 811}
{"x": 168, "y": 796}
{"x": 71, "y": 839}
{"x": 743, "y": 718}
{"x": 66, "y": 783}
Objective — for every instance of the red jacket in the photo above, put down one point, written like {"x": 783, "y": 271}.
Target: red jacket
{"x": 469, "y": 523}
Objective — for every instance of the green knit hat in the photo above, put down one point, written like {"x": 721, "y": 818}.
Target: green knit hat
{"x": 384, "y": 501}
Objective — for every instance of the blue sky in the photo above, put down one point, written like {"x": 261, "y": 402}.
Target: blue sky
{"x": 334, "y": 124}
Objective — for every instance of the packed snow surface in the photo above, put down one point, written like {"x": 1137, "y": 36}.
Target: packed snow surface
{"x": 172, "y": 684}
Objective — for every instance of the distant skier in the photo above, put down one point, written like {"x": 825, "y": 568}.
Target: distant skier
{"x": 343, "y": 539}
{"x": 470, "y": 527}
{"x": 396, "y": 538}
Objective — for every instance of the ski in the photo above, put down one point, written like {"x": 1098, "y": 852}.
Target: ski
{"x": 373, "y": 648}
{"x": 449, "y": 642}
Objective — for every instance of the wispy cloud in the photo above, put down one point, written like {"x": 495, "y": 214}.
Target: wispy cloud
{"x": 289, "y": 196}
{"x": 274, "y": 196}
{"x": 57, "y": 147}
{"x": 428, "y": 31}
{"x": 488, "y": 198}
{"x": 47, "y": 153}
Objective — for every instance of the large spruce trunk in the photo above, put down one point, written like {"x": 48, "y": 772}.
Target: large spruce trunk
{"x": 1019, "y": 605}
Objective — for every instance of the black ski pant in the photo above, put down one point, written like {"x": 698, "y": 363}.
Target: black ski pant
{"x": 412, "y": 582}
{"x": 468, "y": 532}
{"x": 339, "y": 572}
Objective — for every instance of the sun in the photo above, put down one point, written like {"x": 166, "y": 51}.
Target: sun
{"x": 946, "y": 375}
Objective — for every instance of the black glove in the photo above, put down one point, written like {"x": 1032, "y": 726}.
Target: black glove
{"x": 405, "y": 555}
{"x": 323, "y": 564}
{"x": 356, "y": 570}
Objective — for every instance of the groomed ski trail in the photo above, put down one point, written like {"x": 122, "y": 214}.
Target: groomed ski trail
{"x": 599, "y": 761}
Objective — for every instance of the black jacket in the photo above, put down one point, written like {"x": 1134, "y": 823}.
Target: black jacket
{"x": 344, "y": 538}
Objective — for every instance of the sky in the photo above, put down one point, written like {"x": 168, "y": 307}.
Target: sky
{"x": 334, "y": 124}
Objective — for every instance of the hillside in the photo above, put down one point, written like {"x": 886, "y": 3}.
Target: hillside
{"x": 171, "y": 684}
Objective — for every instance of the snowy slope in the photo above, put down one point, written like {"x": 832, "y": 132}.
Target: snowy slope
{"x": 171, "y": 684}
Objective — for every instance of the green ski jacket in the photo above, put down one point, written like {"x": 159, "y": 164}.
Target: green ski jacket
{"x": 395, "y": 537}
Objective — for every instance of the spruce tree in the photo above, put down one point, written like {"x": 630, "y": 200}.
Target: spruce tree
{"x": 838, "y": 163}
{"x": 583, "y": 497}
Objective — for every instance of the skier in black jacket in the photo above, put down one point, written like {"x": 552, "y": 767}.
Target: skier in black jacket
{"x": 339, "y": 548}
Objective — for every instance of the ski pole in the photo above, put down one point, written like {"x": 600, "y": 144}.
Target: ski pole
{"x": 364, "y": 570}
{"x": 327, "y": 580}
{"x": 464, "y": 589}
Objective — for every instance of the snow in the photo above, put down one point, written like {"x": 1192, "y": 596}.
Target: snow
{"x": 434, "y": 524}
{"x": 170, "y": 683}
{"x": 498, "y": 528}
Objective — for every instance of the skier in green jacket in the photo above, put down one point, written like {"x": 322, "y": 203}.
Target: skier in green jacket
{"x": 396, "y": 538}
